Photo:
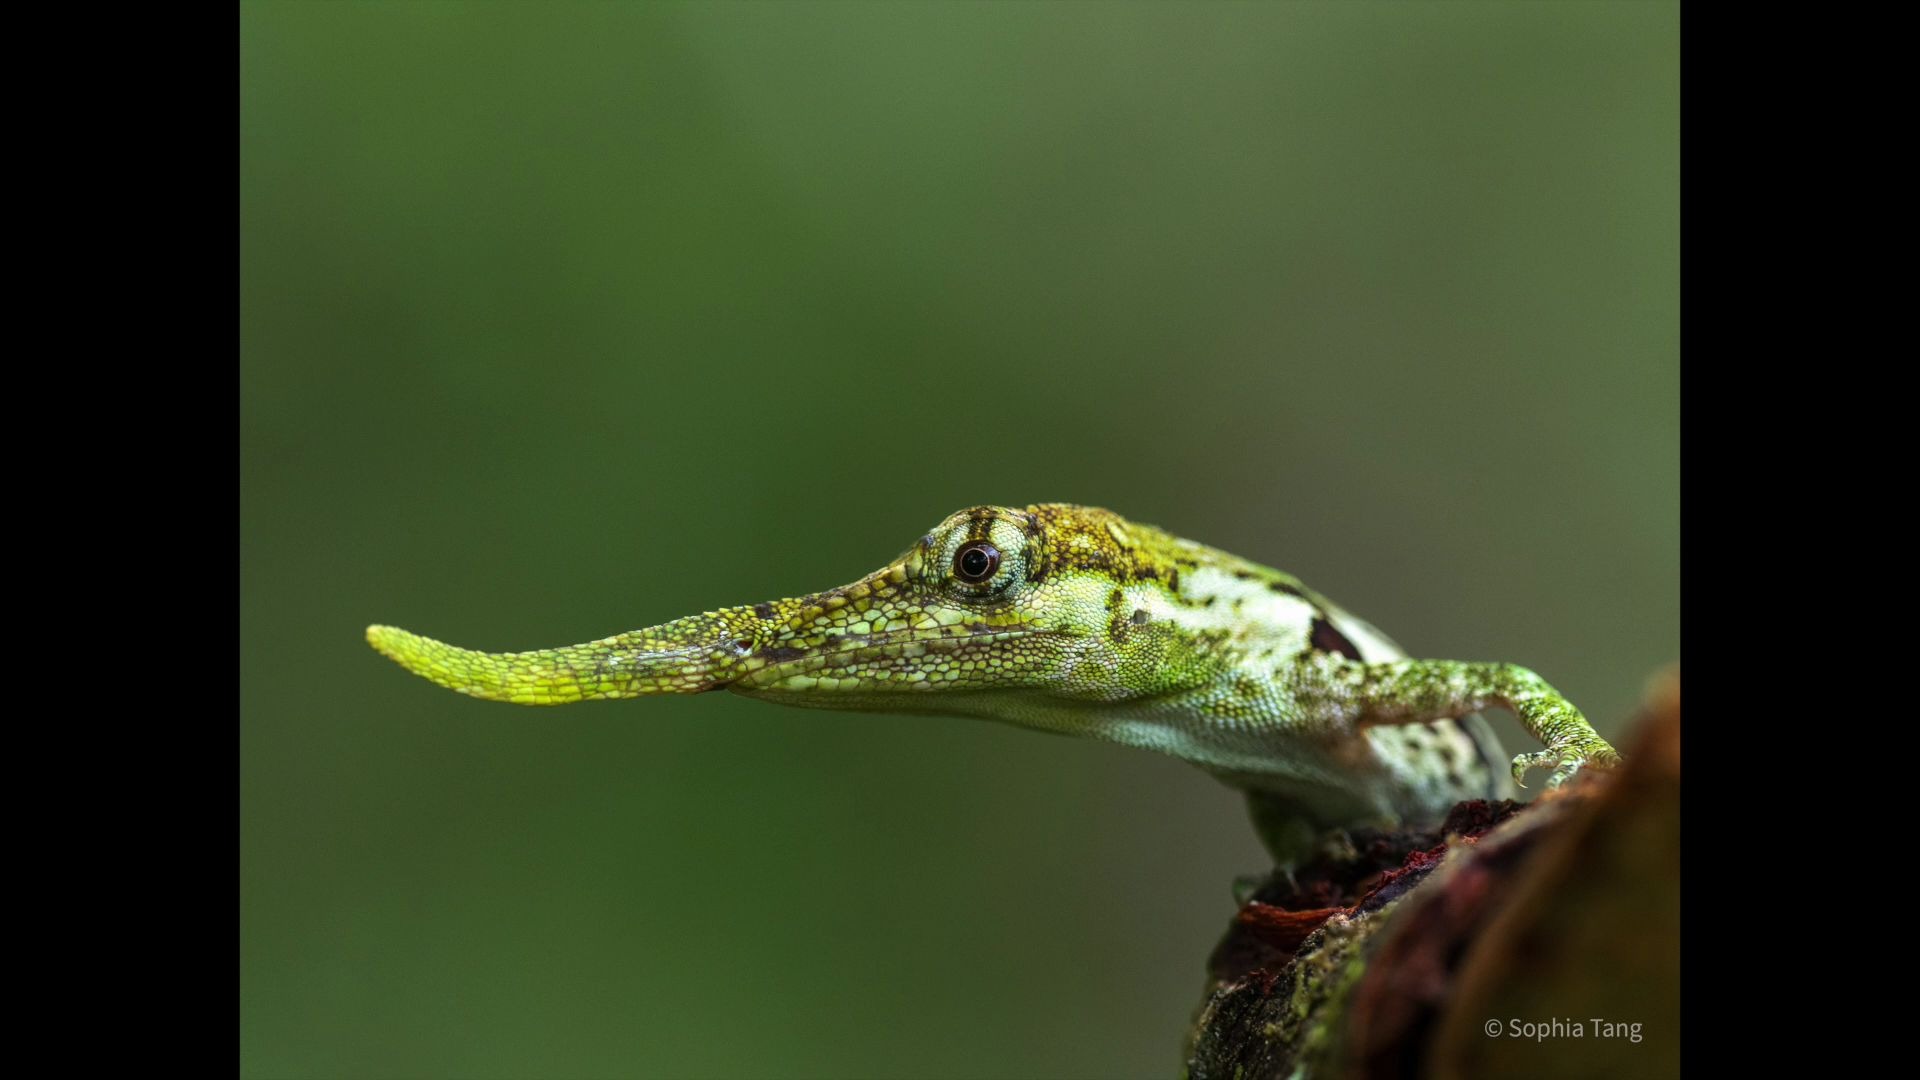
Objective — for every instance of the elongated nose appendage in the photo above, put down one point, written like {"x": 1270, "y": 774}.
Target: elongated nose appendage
{"x": 685, "y": 656}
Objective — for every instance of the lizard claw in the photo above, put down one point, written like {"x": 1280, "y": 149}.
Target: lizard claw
{"x": 1566, "y": 760}
{"x": 1245, "y": 885}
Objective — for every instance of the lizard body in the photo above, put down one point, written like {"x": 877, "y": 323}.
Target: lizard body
{"x": 1074, "y": 620}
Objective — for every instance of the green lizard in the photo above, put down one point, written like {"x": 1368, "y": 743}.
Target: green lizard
{"x": 1074, "y": 620}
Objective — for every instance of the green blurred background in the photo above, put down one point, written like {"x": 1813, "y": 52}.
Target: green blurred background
{"x": 559, "y": 320}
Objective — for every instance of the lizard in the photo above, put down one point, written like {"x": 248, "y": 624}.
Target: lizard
{"x": 1074, "y": 620}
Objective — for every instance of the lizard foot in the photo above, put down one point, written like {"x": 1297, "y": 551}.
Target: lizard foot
{"x": 1566, "y": 760}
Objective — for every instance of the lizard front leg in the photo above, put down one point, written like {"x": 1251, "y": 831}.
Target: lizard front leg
{"x": 1351, "y": 695}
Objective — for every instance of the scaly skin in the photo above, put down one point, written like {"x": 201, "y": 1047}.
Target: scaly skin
{"x": 1074, "y": 620}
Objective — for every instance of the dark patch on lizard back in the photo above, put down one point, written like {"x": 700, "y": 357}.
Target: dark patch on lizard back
{"x": 1290, "y": 589}
{"x": 1329, "y": 640}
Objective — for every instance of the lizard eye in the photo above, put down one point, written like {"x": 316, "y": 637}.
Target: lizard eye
{"x": 976, "y": 562}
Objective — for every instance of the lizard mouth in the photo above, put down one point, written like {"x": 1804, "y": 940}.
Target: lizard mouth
{"x": 889, "y": 660}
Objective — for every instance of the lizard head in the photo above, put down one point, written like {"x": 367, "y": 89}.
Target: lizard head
{"x": 1021, "y": 615}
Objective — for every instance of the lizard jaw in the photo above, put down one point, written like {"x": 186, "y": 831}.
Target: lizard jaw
{"x": 912, "y": 660}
